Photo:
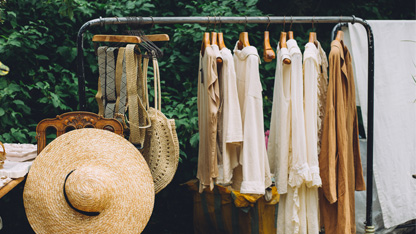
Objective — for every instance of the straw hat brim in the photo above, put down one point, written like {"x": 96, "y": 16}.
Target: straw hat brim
{"x": 101, "y": 172}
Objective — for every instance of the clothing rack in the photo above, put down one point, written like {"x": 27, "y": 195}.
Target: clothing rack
{"x": 339, "y": 21}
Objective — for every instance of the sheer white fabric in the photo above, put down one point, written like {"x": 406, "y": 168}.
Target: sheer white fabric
{"x": 254, "y": 173}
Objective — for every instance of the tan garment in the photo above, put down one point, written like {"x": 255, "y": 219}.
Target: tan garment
{"x": 322, "y": 90}
{"x": 339, "y": 160}
{"x": 208, "y": 104}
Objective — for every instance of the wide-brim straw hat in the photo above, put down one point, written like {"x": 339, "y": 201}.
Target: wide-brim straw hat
{"x": 89, "y": 181}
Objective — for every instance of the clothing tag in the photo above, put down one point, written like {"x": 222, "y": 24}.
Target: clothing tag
{"x": 202, "y": 76}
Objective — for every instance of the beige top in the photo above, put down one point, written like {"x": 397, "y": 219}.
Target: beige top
{"x": 208, "y": 104}
{"x": 254, "y": 176}
{"x": 230, "y": 129}
{"x": 339, "y": 160}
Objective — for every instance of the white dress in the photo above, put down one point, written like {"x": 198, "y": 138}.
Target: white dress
{"x": 253, "y": 174}
{"x": 230, "y": 128}
{"x": 311, "y": 70}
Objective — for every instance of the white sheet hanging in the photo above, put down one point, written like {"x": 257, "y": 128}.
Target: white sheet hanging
{"x": 394, "y": 112}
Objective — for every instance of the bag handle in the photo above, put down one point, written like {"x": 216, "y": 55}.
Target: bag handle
{"x": 156, "y": 81}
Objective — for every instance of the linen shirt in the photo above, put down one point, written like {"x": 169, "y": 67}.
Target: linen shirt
{"x": 299, "y": 170}
{"x": 339, "y": 160}
{"x": 230, "y": 128}
{"x": 278, "y": 148}
{"x": 208, "y": 104}
{"x": 254, "y": 174}
{"x": 310, "y": 74}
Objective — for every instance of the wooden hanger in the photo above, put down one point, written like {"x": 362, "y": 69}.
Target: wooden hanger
{"x": 128, "y": 38}
{"x": 290, "y": 35}
{"x": 340, "y": 36}
{"x": 221, "y": 43}
{"x": 268, "y": 53}
{"x": 214, "y": 37}
{"x": 243, "y": 40}
{"x": 283, "y": 45}
{"x": 205, "y": 42}
{"x": 312, "y": 38}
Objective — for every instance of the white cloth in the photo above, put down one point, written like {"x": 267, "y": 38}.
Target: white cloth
{"x": 232, "y": 128}
{"x": 287, "y": 132}
{"x": 15, "y": 169}
{"x": 298, "y": 168}
{"x": 310, "y": 73}
{"x": 394, "y": 112}
{"x": 279, "y": 137}
{"x": 255, "y": 171}
{"x": 20, "y": 152}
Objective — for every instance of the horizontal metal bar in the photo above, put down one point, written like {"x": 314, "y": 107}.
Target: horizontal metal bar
{"x": 195, "y": 20}
{"x": 225, "y": 20}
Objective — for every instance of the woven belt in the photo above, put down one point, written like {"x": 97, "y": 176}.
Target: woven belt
{"x": 138, "y": 117}
{"x": 110, "y": 84}
{"x": 101, "y": 52}
{"x": 121, "y": 86}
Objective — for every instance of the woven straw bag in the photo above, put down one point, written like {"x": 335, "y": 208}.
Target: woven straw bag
{"x": 161, "y": 146}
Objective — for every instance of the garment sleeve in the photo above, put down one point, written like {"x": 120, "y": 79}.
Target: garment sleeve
{"x": 328, "y": 156}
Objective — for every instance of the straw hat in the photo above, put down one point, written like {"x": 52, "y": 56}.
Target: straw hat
{"x": 89, "y": 181}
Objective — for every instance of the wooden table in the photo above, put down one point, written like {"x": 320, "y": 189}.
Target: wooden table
{"x": 9, "y": 186}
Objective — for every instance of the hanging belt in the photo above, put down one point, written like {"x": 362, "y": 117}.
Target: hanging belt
{"x": 121, "y": 86}
{"x": 110, "y": 83}
{"x": 101, "y": 52}
{"x": 138, "y": 117}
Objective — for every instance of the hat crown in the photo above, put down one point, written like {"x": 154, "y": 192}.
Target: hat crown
{"x": 87, "y": 189}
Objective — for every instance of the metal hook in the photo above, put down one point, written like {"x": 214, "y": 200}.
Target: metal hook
{"x": 268, "y": 18}
{"x": 219, "y": 18}
{"x": 206, "y": 28}
{"x": 153, "y": 22}
{"x": 284, "y": 23}
{"x": 291, "y": 22}
{"x": 101, "y": 21}
{"x": 353, "y": 19}
{"x": 215, "y": 23}
{"x": 313, "y": 21}
{"x": 245, "y": 25}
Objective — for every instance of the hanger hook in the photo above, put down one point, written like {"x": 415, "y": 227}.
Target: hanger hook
{"x": 215, "y": 23}
{"x": 245, "y": 25}
{"x": 291, "y": 22}
{"x": 340, "y": 18}
{"x": 268, "y": 24}
{"x": 101, "y": 21}
{"x": 313, "y": 21}
{"x": 219, "y": 18}
{"x": 353, "y": 19}
{"x": 153, "y": 22}
{"x": 206, "y": 28}
{"x": 284, "y": 23}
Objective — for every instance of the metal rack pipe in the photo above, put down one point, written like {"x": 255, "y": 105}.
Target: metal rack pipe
{"x": 192, "y": 20}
